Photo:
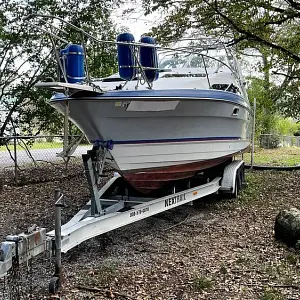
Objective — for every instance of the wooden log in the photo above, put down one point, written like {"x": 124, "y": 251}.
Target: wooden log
{"x": 287, "y": 226}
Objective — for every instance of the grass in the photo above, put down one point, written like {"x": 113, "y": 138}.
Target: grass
{"x": 292, "y": 258}
{"x": 272, "y": 294}
{"x": 251, "y": 193}
{"x": 42, "y": 145}
{"x": 201, "y": 283}
{"x": 283, "y": 156}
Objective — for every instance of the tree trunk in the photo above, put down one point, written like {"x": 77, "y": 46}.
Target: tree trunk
{"x": 287, "y": 226}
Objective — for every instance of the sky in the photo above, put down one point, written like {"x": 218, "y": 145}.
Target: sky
{"x": 135, "y": 20}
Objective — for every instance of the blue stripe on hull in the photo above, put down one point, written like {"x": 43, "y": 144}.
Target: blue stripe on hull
{"x": 181, "y": 140}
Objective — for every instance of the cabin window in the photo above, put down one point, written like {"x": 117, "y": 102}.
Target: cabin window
{"x": 226, "y": 87}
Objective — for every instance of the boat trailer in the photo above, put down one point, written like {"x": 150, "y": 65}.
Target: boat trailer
{"x": 115, "y": 205}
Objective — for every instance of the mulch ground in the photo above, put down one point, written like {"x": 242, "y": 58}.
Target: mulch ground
{"x": 216, "y": 249}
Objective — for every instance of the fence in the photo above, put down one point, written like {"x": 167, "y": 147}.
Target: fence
{"x": 19, "y": 152}
{"x": 270, "y": 141}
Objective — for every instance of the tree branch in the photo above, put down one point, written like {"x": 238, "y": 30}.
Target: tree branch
{"x": 8, "y": 117}
{"x": 280, "y": 21}
{"x": 286, "y": 75}
{"x": 236, "y": 41}
{"x": 252, "y": 35}
{"x": 293, "y": 4}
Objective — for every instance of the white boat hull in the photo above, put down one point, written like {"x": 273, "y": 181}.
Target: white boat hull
{"x": 149, "y": 133}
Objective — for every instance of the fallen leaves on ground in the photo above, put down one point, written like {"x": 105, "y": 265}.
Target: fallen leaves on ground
{"x": 219, "y": 248}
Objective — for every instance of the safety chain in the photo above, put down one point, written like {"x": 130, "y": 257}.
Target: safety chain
{"x": 13, "y": 290}
{"x": 29, "y": 276}
{"x": 23, "y": 282}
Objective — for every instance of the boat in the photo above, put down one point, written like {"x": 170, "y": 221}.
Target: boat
{"x": 167, "y": 115}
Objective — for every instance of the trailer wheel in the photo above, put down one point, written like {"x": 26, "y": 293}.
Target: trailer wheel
{"x": 243, "y": 178}
{"x": 236, "y": 188}
{"x": 54, "y": 285}
{"x": 238, "y": 184}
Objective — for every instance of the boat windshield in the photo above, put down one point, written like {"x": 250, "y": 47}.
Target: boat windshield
{"x": 219, "y": 66}
{"x": 199, "y": 61}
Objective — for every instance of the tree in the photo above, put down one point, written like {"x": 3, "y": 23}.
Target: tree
{"x": 254, "y": 21}
{"x": 265, "y": 108}
{"x": 25, "y": 57}
{"x": 270, "y": 26}
{"x": 286, "y": 126}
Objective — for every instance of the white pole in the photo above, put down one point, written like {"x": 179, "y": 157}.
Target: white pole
{"x": 253, "y": 132}
{"x": 66, "y": 129}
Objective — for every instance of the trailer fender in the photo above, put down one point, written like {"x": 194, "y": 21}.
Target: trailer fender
{"x": 233, "y": 178}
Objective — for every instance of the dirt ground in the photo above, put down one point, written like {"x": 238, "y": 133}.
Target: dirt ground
{"x": 216, "y": 249}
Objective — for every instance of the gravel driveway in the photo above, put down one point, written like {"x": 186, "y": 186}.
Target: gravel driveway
{"x": 48, "y": 155}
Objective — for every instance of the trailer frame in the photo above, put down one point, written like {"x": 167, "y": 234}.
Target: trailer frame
{"x": 108, "y": 210}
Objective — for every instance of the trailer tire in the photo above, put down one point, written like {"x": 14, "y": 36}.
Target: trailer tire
{"x": 237, "y": 185}
{"x": 243, "y": 177}
{"x": 236, "y": 188}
